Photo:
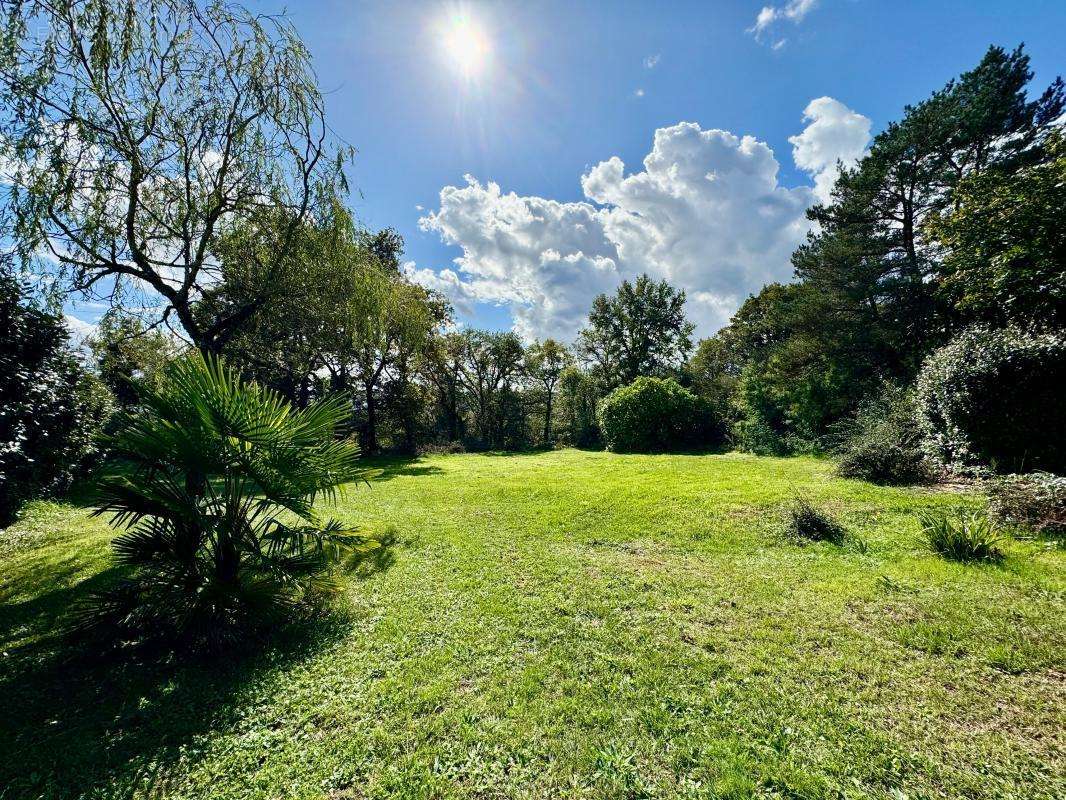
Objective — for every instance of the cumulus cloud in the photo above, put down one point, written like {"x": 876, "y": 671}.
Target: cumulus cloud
{"x": 78, "y": 330}
{"x": 834, "y": 134}
{"x": 793, "y": 11}
{"x": 445, "y": 282}
{"x": 546, "y": 258}
{"x": 706, "y": 212}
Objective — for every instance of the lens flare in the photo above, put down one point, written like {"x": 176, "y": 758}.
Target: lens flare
{"x": 466, "y": 46}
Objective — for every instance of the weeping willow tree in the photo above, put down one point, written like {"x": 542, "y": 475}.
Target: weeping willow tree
{"x": 215, "y": 488}
{"x": 133, "y": 132}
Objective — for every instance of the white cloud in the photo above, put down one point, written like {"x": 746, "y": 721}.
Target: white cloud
{"x": 706, "y": 212}
{"x": 78, "y": 330}
{"x": 638, "y": 93}
{"x": 547, "y": 259}
{"x": 446, "y": 282}
{"x": 834, "y": 133}
{"x": 652, "y": 61}
{"x": 793, "y": 11}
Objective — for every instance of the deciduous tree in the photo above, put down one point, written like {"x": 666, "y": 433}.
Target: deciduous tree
{"x": 640, "y": 330}
{"x": 134, "y": 133}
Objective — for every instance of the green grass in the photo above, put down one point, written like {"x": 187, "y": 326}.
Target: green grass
{"x": 573, "y": 624}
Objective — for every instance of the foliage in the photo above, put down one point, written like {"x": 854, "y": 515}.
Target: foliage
{"x": 440, "y": 364}
{"x": 127, "y": 353}
{"x": 872, "y": 264}
{"x": 51, "y": 408}
{"x": 345, "y": 311}
{"x": 545, "y": 363}
{"x": 789, "y": 389}
{"x": 489, "y": 370}
{"x": 877, "y": 286}
{"x": 384, "y": 321}
{"x": 579, "y": 396}
{"x": 215, "y": 494}
{"x": 1005, "y": 243}
{"x": 640, "y": 331}
{"x": 1035, "y": 502}
{"x": 992, "y": 400}
{"x": 138, "y": 131}
{"x": 807, "y": 522}
{"x": 969, "y": 536}
{"x": 282, "y": 343}
{"x": 653, "y": 415}
{"x": 882, "y": 443}
{"x": 714, "y": 369}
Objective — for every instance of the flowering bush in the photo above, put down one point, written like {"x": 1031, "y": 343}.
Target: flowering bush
{"x": 1036, "y": 502}
{"x": 991, "y": 401}
{"x": 51, "y": 408}
{"x": 654, "y": 415}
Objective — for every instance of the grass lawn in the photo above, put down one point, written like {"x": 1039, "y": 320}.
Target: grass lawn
{"x": 573, "y": 624}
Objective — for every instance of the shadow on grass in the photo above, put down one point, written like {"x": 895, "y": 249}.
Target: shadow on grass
{"x": 72, "y": 725}
{"x": 537, "y": 451}
{"x": 391, "y": 467}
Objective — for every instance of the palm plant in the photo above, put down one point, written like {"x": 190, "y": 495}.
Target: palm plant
{"x": 215, "y": 490}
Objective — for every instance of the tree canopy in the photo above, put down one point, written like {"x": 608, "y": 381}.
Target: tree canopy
{"x": 136, "y": 133}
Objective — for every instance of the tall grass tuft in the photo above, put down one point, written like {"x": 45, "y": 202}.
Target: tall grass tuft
{"x": 970, "y": 536}
{"x": 806, "y": 522}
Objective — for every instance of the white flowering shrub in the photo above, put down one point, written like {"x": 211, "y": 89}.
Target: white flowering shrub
{"x": 1035, "y": 502}
{"x": 51, "y": 408}
{"x": 991, "y": 401}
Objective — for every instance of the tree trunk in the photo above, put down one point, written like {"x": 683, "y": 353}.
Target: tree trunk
{"x": 548, "y": 421}
{"x": 370, "y": 445}
{"x": 408, "y": 417}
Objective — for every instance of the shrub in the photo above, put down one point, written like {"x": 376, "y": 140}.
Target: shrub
{"x": 762, "y": 427}
{"x": 806, "y": 522}
{"x": 992, "y": 400}
{"x": 654, "y": 415}
{"x": 755, "y": 435}
{"x": 969, "y": 537}
{"x": 1036, "y": 502}
{"x": 215, "y": 491}
{"x": 882, "y": 444}
{"x": 51, "y": 407}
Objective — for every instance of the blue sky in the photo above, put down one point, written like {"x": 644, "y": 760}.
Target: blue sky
{"x": 557, "y": 94}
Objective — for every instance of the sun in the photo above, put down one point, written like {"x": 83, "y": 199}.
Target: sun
{"x": 466, "y": 46}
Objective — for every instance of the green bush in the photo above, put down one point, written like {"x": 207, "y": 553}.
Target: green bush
{"x": 806, "y": 522}
{"x": 968, "y": 537}
{"x": 882, "y": 443}
{"x": 51, "y": 407}
{"x": 215, "y": 487}
{"x": 991, "y": 400}
{"x": 1036, "y": 502}
{"x": 654, "y": 415}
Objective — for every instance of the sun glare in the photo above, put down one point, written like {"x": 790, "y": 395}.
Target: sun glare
{"x": 466, "y": 46}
